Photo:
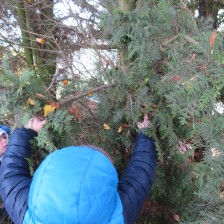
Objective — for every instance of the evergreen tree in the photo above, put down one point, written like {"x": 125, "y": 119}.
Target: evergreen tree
{"x": 169, "y": 65}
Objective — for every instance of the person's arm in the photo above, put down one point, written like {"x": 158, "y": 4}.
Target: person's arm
{"x": 136, "y": 181}
{"x": 15, "y": 178}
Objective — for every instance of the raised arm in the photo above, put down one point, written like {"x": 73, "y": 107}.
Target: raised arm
{"x": 137, "y": 179}
{"x": 15, "y": 178}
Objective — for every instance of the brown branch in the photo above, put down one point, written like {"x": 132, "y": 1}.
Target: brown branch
{"x": 58, "y": 72}
{"x": 170, "y": 40}
{"x": 186, "y": 37}
{"x": 84, "y": 45}
{"x": 86, "y": 93}
{"x": 92, "y": 114}
{"x": 190, "y": 40}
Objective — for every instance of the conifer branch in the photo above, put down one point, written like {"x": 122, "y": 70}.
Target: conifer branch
{"x": 86, "y": 93}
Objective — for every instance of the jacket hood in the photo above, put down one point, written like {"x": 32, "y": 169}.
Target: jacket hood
{"x": 4, "y": 130}
{"x": 74, "y": 185}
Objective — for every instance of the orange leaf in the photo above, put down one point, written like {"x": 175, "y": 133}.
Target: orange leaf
{"x": 106, "y": 126}
{"x": 31, "y": 101}
{"x": 212, "y": 38}
{"x": 75, "y": 111}
{"x": 65, "y": 82}
{"x": 48, "y": 109}
{"x": 41, "y": 40}
{"x": 176, "y": 78}
{"x": 38, "y": 95}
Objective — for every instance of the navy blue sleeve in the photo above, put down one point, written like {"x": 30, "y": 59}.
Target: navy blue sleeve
{"x": 15, "y": 178}
{"x": 136, "y": 181}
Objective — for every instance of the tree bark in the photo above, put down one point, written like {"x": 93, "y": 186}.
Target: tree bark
{"x": 48, "y": 21}
{"x": 25, "y": 35}
{"x": 123, "y": 61}
{"x": 37, "y": 21}
{"x": 210, "y": 8}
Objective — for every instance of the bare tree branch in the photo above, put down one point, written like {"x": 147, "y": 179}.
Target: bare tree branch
{"x": 57, "y": 73}
{"x": 86, "y": 93}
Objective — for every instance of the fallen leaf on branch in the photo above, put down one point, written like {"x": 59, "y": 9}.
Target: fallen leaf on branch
{"x": 31, "y": 101}
{"x": 41, "y": 40}
{"x": 48, "y": 109}
{"x": 106, "y": 126}
{"x": 90, "y": 93}
{"x": 65, "y": 82}
{"x": 40, "y": 96}
{"x": 122, "y": 127}
{"x": 75, "y": 111}
{"x": 212, "y": 38}
{"x": 176, "y": 78}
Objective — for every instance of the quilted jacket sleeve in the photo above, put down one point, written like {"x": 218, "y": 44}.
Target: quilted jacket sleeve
{"x": 136, "y": 181}
{"x": 15, "y": 178}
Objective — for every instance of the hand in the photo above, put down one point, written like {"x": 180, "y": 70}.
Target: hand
{"x": 146, "y": 123}
{"x": 36, "y": 123}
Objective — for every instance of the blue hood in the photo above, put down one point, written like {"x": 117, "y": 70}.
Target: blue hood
{"x": 4, "y": 129}
{"x": 74, "y": 185}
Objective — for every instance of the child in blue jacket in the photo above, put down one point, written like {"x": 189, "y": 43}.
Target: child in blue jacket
{"x": 4, "y": 134}
{"x": 76, "y": 184}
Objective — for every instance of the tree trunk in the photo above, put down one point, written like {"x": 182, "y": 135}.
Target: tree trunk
{"x": 37, "y": 21}
{"x": 48, "y": 21}
{"x": 126, "y": 5}
{"x": 123, "y": 61}
{"x": 209, "y": 8}
{"x": 25, "y": 35}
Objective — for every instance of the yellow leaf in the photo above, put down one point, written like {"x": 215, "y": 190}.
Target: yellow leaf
{"x": 120, "y": 129}
{"x": 40, "y": 40}
{"x": 90, "y": 93}
{"x": 106, "y": 126}
{"x": 31, "y": 101}
{"x": 48, "y": 109}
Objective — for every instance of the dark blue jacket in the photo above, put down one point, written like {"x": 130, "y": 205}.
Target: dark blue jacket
{"x": 41, "y": 199}
{"x": 136, "y": 181}
{"x": 15, "y": 178}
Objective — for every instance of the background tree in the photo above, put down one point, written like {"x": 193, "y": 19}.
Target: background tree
{"x": 209, "y": 9}
{"x": 147, "y": 57}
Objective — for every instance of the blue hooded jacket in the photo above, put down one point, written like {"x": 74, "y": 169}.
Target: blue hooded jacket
{"x": 77, "y": 184}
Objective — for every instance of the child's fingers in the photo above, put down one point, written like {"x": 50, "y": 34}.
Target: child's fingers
{"x": 139, "y": 124}
{"x": 146, "y": 117}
